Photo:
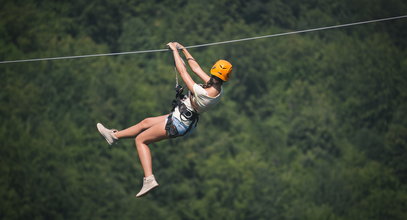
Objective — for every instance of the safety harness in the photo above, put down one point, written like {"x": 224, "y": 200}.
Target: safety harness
{"x": 185, "y": 113}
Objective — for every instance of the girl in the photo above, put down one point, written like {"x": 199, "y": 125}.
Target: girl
{"x": 182, "y": 119}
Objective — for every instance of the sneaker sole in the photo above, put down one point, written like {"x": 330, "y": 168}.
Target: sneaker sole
{"x": 152, "y": 189}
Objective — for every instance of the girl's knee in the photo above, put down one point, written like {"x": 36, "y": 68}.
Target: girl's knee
{"x": 146, "y": 123}
{"x": 140, "y": 141}
{"x": 143, "y": 122}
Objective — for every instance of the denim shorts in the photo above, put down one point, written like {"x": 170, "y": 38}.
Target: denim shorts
{"x": 181, "y": 127}
{"x": 176, "y": 128}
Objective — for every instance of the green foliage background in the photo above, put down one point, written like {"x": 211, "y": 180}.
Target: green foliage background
{"x": 312, "y": 126}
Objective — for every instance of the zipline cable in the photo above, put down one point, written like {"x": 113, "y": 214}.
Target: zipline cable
{"x": 209, "y": 44}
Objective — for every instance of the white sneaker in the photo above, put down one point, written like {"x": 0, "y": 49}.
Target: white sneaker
{"x": 108, "y": 134}
{"x": 149, "y": 183}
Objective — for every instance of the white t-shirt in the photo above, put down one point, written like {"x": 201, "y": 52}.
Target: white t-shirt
{"x": 201, "y": 99}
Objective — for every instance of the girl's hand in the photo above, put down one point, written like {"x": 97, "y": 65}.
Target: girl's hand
{"x": 180, "y": 46}
{"x": 172, "y": 46}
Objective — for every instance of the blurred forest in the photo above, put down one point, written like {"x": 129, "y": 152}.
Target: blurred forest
{"x": 312, "y": 126}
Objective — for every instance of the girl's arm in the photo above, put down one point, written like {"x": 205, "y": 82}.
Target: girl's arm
{"x": 181, "y": 67}
{"x": 194, "y": 65}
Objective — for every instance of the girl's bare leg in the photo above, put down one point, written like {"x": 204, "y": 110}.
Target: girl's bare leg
{"x": 153, "y": 134}
{"x": 134, "y": 130}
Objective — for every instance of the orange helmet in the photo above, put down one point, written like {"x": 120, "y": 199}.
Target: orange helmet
{"x": 222, "y": 69}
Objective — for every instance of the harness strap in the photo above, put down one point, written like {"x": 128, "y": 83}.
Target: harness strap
{"x": 185, "y": 115}
{"x": 172, "y": 131}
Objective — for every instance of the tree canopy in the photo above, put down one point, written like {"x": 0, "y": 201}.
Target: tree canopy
{"x": 311, "y": 126}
